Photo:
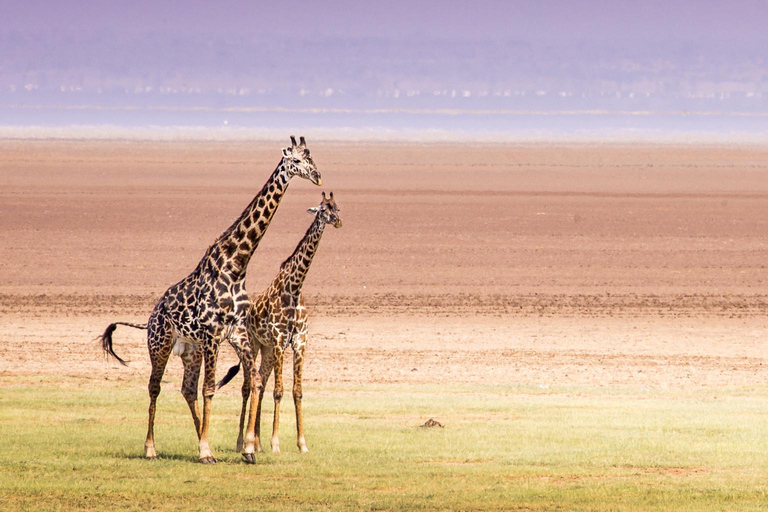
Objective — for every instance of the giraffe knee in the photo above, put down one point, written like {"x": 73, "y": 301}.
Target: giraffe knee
{"x": 278, "y": 396}
{"x": 154, "y": 391}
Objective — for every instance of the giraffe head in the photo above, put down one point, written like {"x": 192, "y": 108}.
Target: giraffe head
{"x": 298, "y": 162}
{"x": 327, "y": 211}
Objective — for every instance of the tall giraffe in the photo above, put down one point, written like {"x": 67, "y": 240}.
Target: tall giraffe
{"x": 208, "y": 306}
{"x": 278, "y": 318}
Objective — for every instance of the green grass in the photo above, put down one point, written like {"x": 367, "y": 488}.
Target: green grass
{"x": 77, "y": 445}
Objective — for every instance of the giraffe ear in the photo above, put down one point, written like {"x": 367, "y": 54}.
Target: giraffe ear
{"x": 313, "y": 210}
{"x": 286, "y": 152}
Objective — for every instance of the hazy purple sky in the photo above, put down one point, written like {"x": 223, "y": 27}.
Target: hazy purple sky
{"x": 556, "y": 20}
{"x": 395, "y": 64}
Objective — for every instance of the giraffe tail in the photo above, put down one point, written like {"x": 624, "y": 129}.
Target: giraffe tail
{"x": 106, "y": 339}
{"x": 229, "y": 376}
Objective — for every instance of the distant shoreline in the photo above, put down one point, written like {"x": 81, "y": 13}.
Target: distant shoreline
{"x": 110, "y": 132}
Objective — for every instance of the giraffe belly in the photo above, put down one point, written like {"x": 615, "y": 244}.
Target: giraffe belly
{"x": 184, "y": 345}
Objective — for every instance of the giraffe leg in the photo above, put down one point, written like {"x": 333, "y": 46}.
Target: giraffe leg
{"x": 298, "y": 363}
{"x": 246, "y": 390}
{"x": 278, "y": 395}
{"x": 192, "y": 359}
{"x": 265, "y": 369}
{"x": 246, "y": 394}
{"x": 247, "y": 445}
{"x": 209, "y": 387}
{"x": 159, "y": 342}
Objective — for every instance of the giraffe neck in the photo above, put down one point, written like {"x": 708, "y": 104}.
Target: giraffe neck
{"x": 294, "y": 270}
{"x": 237, "y": 244}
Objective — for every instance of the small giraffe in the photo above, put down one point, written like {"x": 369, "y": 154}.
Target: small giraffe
{"x": 210, "y": 305}
{"x": 277, "y": 318}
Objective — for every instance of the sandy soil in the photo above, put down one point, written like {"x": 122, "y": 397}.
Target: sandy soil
{"x": 510, "y": 265}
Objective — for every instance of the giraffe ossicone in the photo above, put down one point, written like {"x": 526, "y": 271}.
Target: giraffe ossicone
{"x": 210, "y": 305}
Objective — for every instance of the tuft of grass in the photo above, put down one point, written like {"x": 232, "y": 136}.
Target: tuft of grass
{"x": 77, "y": 445}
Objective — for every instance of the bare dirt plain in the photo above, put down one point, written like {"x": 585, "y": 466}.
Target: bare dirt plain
{"x": 543, "y": 266}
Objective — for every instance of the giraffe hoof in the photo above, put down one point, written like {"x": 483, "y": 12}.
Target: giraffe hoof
{"x": 249, "y": 458}
{"x": 208, "y": 460}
